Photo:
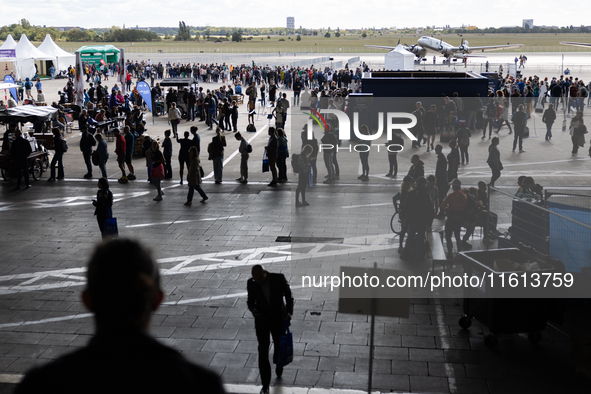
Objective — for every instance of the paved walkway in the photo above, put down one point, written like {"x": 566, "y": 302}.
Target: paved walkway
{"x": 206, "y": 252}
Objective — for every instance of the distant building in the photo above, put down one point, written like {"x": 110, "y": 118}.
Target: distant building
{"x": 290, "y": 22}
{"x": 66, "y": 28}
{"x": 528, "y": 24}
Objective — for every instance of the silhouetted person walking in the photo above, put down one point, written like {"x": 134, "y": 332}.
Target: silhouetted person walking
{"x": 266, "y": 292}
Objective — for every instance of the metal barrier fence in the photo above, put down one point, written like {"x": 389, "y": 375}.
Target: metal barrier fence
{"x": 540, "y": 70}
{"x": 552, "y": 222}
{"x": 260, "y": 60}
{"x": 287, "y": 51}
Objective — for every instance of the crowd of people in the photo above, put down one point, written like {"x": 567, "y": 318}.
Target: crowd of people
{"x": 459, "y": 118}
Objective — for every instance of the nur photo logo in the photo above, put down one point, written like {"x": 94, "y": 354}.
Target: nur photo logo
{"x": 340, "y": 118}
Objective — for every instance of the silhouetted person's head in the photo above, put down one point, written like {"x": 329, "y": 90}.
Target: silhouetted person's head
{"x": 259, "y": 274}
{"x": 123, "y": 285}
{"x": 421, "y": 182}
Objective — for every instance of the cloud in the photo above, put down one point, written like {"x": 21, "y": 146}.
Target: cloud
{"x": 343, "y": 14}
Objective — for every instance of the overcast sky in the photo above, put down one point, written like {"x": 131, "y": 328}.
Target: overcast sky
{"x": 343, "y": 13}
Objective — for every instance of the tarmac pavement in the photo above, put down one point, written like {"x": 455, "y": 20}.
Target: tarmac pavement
{"x": 206, "y": 252}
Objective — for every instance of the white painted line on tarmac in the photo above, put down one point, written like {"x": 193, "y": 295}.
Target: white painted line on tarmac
{"x": 441, "y": 327}
{"x": 517, "y": 173}
{"x": 535, "y": 163}
{"x": 66, "y": 201}
{"x": 236, "y": 151}
{"x": 182, "y": 221}
{"x": 44, "y": 280}
{"x": 212, "y": 298}
{"x": 85, "y": 315}
{"x": 365, "y": 205}
{"x": 42, "y": 321}
{"x": 10, "y": 378}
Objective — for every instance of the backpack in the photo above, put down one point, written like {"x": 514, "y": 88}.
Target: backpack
{"x": 64, "y": 145}
{"x": 491, "y": 110}
{"x": 95, "y": 158}
{"x": 250, "y": 128}
{"x": 249, "y": 148}
{"x": 464, "y": 139}
{"x": 295, "y": 163}
{"x": 584, "y": 92}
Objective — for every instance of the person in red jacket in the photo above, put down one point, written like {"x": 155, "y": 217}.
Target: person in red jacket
{"x": 455, "y": 206}
{"x": 120, "y": 147}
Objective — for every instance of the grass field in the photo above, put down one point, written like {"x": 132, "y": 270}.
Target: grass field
{"x": 344, "y": 44}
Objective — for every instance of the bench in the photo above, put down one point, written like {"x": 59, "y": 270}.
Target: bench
{"x": 437, "y": 251}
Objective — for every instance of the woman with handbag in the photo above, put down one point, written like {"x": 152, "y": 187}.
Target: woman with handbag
{"x": 103, "y": 204}
{"x": 157, "y": 169}
{"x": 174, "y": 118}
{"x": 194, "y": 176}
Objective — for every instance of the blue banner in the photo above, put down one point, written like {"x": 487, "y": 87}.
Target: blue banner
{"x": 9, "y": 79}
{"x": 146, "y": 93}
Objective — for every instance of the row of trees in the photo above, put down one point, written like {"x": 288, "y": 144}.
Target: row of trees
{"x": 518, "y": 30}
{"x": 209, "y": 33}
{"x": 115, "y": 33}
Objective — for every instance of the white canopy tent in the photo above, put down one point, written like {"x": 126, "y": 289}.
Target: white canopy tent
{"x": 26, "y": 54}
{"x": 399, "y": 59}
{"x": 9, "y": 43}
{"x": 63, "y": 58}
{"x": 8, "y": 63}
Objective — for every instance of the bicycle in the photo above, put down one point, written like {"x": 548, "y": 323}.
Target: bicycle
{"x": 395, "y": 222}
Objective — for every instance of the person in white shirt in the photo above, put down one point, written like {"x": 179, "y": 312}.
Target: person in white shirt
{"x": 40, "y": 97}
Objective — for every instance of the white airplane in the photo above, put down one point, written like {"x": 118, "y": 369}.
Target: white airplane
{"x": 576, "y": 44}
{"x": 427, "y": 44}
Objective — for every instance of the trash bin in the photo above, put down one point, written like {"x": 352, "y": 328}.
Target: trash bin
{"x": 493, "y": 306}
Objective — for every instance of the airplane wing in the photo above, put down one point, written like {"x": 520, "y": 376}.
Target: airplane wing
{"x": 461, "y": 55}
{"x": 493, "y": 47}
{"x": 382, "y": 47}
{"x": 576, "y": 44}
